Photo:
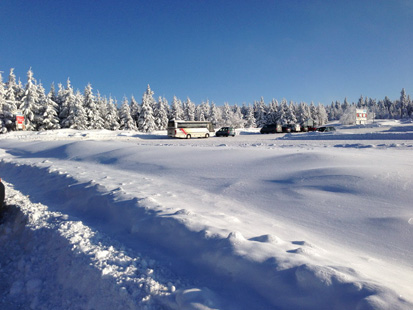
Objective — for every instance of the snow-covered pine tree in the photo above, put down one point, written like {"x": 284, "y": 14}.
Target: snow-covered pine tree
{"x": 249, "y": 118}
{"x": 403, "y": 104}
{"x": 226, "y": 115}
{"x": 303, "y": 113}
{"x": 125, "y": 119}
{"x": 112, "y": 116}
{"x": 93, "y": 118}
{"x": 290, "y": 113}
{"x": 237, "y": 120}
{"x": 134, "y": 110}
{"x": 50, "y": 119}
{"x": 272, "y": 112}
{"x": 189, "y": 110}
{"x": 11, "y": 103}
{"x": 322, "y": 114}
{"x": 30, "y": 102}
{"x": 66, "y": 97}
{"x": 282, "y": 112}
{"x": 2, "y": 93}
{"x": 177, "y": 112}
{"x": 313, "y": 113}
{"x": 260, "y": 112}
{"x": 215, "y": 115}
{"x": 146, "y": 121}
{"x": 161, "y": 114}
{"x": 77, "y": 118}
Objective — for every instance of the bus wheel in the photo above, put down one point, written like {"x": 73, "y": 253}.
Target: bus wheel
{"x": 188, "y": 136}
{"x": 207, "y": 135}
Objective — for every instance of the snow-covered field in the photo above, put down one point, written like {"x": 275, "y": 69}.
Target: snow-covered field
{"x": 124, "y": 220}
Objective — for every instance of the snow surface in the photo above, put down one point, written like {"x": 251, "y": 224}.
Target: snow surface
{"x": 125, "y": 220}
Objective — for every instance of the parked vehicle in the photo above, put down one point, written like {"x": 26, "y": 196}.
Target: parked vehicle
{"x": 326, "y": 129}
{"x": 189, "y": 129}
{"x": 225, "y": 132}
{"x": 295, "y": 127}
{"x": 286, "y": 128}
{"x": 308, "y": 125}
{"x": 271, "y": 128}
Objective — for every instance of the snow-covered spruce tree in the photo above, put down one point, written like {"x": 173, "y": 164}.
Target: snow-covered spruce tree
{"x": 146, "y": 121}
{"x": 112, "y": 116}
{"x": 303, "y": 113}
{"x": 403, "y": 105}
{"x": 237, "y": 120}
{"x": 272, "y": 112}
{"x": 10, "y": 105}
{"x": 282, "y": 115}
{"x": 313, "y": 113}
{"x": 2, "y": 93}
{"x": 77, "y": 118}
{"x": 226, "y": 115}
{"x": 66, "y": 98}
{"x": 290, "y": 114}
{"x": 189, "y": 110}
{"x": 203, "y": 111}
{"x": 134, "y": 110}
{"x": 177, "y": 111}
{"x": 94, "y": 119}
{"x": 215, "y": 115}
{"x": 249, "y": 118}
{"x": 30, "y": 102}
{"x": 161, "y": 114}
{"x": 125, "y": 119}
{"x": 260, "y": 112}
{"x": 322, "y": 115}
{"x": 50, "y": 119}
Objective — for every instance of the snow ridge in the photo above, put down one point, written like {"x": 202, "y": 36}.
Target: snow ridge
{"x": 96, "y": 271}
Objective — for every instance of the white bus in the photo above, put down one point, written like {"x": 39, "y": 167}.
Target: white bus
{"x": 189, "y": 129}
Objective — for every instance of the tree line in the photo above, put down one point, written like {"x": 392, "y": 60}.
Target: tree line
{"x": 66, "y": 108}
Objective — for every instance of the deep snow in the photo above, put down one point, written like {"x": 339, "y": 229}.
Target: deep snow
{"x": 124, "y": 220}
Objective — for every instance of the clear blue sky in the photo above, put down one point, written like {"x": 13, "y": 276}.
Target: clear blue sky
{"x": 231, "y": 51}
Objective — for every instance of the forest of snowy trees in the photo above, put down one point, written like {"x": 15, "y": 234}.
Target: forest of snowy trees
{"x": 66, "y": 108}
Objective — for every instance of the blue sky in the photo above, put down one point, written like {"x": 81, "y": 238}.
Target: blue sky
{"x": 216, "y": 50}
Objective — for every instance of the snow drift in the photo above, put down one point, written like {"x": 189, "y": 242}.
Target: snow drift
{"x": 119, "y": 220}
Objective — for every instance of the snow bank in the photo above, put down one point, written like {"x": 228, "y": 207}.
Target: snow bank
{"x": 109, "y": 225}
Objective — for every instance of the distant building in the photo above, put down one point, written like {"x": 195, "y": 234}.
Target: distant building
{"x": 361, "y": 116}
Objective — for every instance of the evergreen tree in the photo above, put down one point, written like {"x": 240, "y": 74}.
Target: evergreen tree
{"x": 260, "y": 112}
{"x": 403, "y": 104}
{"x": 177, "y": 112}
{"x": 322, "y": 117}
{"x": 189, "y": 110}
{"x": 125, "y": 119}
{"x": 2, "y": 94}
{"x": 30, "y": 102}
{"x": 237, "y": 119}
{"x": 66, "y": 97}
{"x": 146, "y": 121}
{"x": 10, "y": 102}
{"x": 161, "y": 114}
{"x": 50, "y": 119}
{"x": 134, "y": 110}
{"x": 112, "y": 116}
{"x": 93, "y": 118}
{"x": 215, "y": 115}
{"x": 249, "y": 118}
{"x": 303, "y": 113}
{"x": 77, "y": 118}
{"x": 314, "y": 113}
{"x": 226, "y": 115}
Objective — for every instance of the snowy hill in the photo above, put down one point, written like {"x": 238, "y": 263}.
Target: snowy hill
{"x": 125, "y": 220}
